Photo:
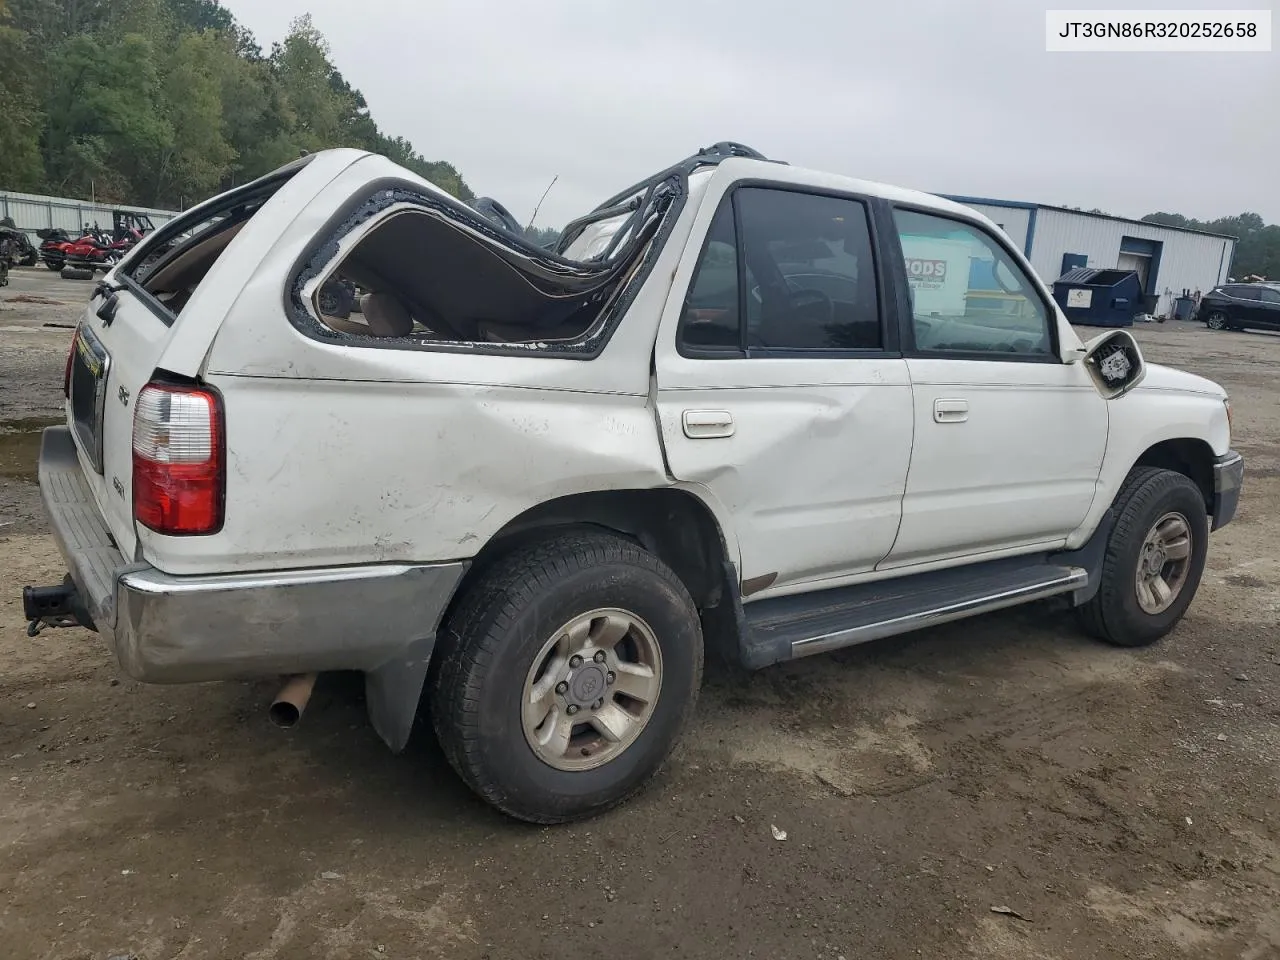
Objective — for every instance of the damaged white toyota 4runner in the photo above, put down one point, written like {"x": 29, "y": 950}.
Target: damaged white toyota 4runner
{"x": 337, "y": 420}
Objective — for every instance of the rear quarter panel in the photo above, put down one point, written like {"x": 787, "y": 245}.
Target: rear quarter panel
{"x": 355, "y": 454}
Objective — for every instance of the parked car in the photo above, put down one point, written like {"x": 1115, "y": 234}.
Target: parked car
{"x": 1241, "y": 306}
{"x": 528, "y": 487}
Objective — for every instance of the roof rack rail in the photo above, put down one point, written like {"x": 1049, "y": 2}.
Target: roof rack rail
{"x": 706, "y": 157}
{"x": 626, "y": 200}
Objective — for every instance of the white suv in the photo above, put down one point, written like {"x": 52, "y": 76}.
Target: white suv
{"x": 337, "y": 420}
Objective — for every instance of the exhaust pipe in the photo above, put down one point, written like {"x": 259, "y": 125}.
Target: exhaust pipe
{"x": 286, "y": 708}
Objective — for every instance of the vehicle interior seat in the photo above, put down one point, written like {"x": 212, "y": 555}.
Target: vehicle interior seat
{"x": 385, "y": 315}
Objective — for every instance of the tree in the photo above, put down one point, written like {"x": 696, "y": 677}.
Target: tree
{"x": 542, "y": 236}
{"x": 166, "y": 101}
{"x": 106, "y": 128}
{"x": 20, "y": 163}
{"x": 198, "y": 158}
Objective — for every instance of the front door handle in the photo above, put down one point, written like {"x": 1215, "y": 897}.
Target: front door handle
{"x": 707, "y": 424}
{"x": 950, "y": 411}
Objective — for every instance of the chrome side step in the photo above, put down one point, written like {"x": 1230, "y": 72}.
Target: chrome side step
{"x": 785, "y": 628}
{"x": 1073, "y": 579}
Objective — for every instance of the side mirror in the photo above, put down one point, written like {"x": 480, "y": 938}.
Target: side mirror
{"x": 1115, "y": 363}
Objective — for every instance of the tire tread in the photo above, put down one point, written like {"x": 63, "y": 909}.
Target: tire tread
{"x": 1140, "y": 488}
{"x": 470, "y": 638}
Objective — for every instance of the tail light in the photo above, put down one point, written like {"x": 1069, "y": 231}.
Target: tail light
{"x": 179, "y": 480}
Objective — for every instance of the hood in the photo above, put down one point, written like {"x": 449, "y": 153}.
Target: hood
{"x": 1179, "y": 381}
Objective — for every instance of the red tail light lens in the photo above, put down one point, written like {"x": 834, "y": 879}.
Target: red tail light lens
{"x": 179, "y": 480}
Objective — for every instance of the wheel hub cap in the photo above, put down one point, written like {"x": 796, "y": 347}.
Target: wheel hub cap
{"x": 591, "y": 689}
{"x": 586, "y": 685}
{"x": 1164, "y": 563}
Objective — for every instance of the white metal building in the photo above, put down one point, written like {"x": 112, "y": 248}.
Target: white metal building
{"x": 1167, "y": 260}
{"x": 32, "y": 212}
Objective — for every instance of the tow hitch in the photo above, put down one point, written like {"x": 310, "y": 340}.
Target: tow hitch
{"x": 58, "y": 606}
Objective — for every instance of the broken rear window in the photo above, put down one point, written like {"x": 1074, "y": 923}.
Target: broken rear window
{"x": 414, "y": 268}
{"x": 418, "y": 269}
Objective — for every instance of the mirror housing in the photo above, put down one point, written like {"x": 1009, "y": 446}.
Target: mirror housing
{"x": 1114, "y": 363}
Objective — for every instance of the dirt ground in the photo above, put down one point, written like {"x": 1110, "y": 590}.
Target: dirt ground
{"x": 1124, "y": 804}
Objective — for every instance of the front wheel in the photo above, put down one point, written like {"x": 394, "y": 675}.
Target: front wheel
{"x": 566, "y": 675}
{"x": 1154, "y": 559}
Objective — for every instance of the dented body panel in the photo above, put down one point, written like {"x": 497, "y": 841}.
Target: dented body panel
{"x": 374, "y": 455}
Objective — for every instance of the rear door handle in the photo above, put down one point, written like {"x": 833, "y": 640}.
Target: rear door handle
{"x": 707, "y": 424}
{"x": 950, "y": 411}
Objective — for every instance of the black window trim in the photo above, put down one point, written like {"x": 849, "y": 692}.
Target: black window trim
{"x": 908, "y": 334}
{"x": 887, "y": 308}
{"x": 270, "y": 183}
{"x": 372, "y": 203}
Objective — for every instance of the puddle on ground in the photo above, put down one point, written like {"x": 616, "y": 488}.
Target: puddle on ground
{"x": 20, "y": 446}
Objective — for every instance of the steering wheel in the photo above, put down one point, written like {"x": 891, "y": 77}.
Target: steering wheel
{"x": 812, "y": 304}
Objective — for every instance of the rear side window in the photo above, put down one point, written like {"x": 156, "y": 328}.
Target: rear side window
{"x": 177, "y": 257}
{"x": 783, "y": 270}
{"x": 710, "y": 316}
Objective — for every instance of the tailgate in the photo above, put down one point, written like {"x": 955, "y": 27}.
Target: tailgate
{"x": 158, "y": 312}
{"x": 110, "y": 363}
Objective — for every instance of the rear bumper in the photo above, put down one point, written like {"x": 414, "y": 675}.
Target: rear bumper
{"x": 167, "y": 629}
{"x": 1228, "y": 478}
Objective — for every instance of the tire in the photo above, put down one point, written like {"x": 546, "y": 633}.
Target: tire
{"x": 55, "y": 264}
{"x": 487, "y": 658}
{"x": 1218, "y": 320}
{"x": 77, "y": 273}
{"x": 1149, "y": 497}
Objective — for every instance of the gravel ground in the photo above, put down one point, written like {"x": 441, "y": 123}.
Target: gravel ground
{"x": 1124, "y": 804}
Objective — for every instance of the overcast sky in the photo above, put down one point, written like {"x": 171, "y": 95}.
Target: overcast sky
{"x": 942, "y": 95}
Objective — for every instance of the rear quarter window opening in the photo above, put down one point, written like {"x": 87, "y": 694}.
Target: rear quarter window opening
{"x": 175, "y": 260}
{"x": 410, "y": 270}
{"x": 173, "y": 271}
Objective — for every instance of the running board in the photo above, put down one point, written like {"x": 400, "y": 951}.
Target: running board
{"x": 785, "y": 628}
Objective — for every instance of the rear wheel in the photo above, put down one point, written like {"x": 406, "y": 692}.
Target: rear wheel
{"x": 566, "y": 675}
{"x": 1217, "y": 320}
{"x": 1154, "y": 559}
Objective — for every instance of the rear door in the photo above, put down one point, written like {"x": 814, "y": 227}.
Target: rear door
{"x": 779, "y": 388}
{"x": 1242, "y": 303}
{"x": 159, "y": 311}
{"x": 1269, "y": 313}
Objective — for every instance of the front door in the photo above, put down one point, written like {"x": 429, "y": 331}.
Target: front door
{"x": 778, "y": 388}
{"x": 1008, "y": 439}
